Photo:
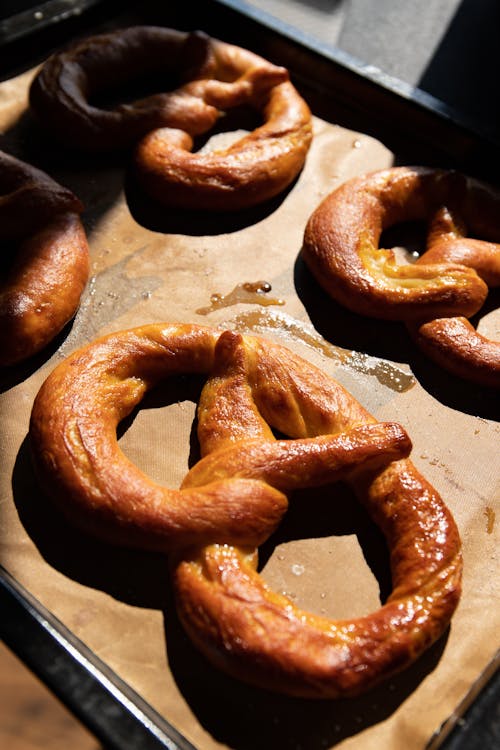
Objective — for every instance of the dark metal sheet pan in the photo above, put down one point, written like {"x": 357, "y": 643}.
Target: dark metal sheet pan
{"x": 409, "y": 120}
{"x": 419, "y": 128}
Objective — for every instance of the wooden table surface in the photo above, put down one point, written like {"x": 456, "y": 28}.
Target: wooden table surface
{"x": 31, "y": 718}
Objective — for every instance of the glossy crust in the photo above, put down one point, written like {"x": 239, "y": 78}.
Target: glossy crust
{"x": 252, "y": 170}
{"x": 449, "y": 280}
{"x": 211, "y": 77}
{"x": 234, "y": 497}
{"x": 41, "y": 288}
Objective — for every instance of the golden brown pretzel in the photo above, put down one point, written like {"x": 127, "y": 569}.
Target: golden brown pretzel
{"x": 232, "y": 499}
{"x": 342, "y": 236}
{"x": 255, "y": 168}
{"x": 449, "y": 282}
{"x": 41, "y": 289}
{"x": 454, "y": 343}
{"x": 212, "y": 77}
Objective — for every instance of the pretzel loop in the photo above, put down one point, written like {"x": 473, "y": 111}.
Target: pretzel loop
{"x": 208, "y": 77}
{"x": 63, "y": 93}
{"x": 233, "y": 498}
{"x": 435, "y": 295}
{"x": 41, "y": 288}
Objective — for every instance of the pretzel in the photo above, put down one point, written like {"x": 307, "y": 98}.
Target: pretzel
{"x": 448, "y": 283}
{"x": 233, "y": 498}
{"x": 214, "y": 77}
{"x": 41, "y": 288}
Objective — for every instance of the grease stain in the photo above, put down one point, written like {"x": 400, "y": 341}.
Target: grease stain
{"x": 109, "y": 294}
{"x": 261, "y": 321}
{"x": 248, "y": 292}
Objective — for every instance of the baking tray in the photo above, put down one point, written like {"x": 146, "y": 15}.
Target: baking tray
{"x": 338, "y": 83}
{"x": 417, "y": 127}
{"x": 122, "y": 720}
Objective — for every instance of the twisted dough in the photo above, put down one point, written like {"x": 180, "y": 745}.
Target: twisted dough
{"x": 41, "y": 289}
{"x": 214, "y": 77}
{"x": 233, "y": 498}
{"x": 449, "y": 282}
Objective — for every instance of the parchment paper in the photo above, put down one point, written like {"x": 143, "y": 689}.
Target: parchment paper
{"x": 149, "y": 268}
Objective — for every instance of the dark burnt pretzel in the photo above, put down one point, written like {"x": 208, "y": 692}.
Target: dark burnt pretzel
{"x": 447, "y": 285}
{"x": 234, "y": 497}
{"x": 41, "y": 288}
{"x": 213, "y": 77}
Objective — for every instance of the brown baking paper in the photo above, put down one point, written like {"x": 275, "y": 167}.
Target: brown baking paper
{"x": 327, "y": 556}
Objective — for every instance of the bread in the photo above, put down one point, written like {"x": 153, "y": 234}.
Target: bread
{"x": 235, "y": 496}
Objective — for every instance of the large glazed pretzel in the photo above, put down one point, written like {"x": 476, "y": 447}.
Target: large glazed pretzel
{"x": 448, "y": 283}
{"x": 41, "y": 288}
{"x": 234, "y": 497}
{"x": 208, "y": 77}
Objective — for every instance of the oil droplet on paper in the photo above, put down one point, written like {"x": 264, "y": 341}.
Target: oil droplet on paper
{"x": 248, "y": 292}
{"x": 384, "y": 371}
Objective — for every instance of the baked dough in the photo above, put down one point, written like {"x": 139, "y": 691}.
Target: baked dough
{"x": 235, "y": 496}
{"x": 41, "y": 288}
{"x": 447, "y": 285}
{"x": 208, "y": 78}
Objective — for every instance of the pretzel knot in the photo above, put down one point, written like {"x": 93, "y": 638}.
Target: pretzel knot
{"x": 436, "y": 295}
{"x": 209, "y": 77}
{"x": 234, "y": 497}
{"x": 41, "y": 286}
